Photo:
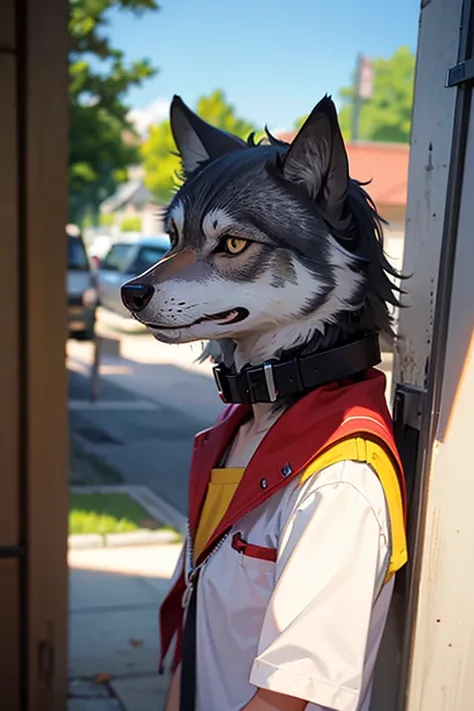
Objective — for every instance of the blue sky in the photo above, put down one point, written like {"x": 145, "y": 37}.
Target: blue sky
{"x": 274, "y": 59}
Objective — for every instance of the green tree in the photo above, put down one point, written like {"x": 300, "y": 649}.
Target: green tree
{"x": 299, "y": 122}
{"x": 132, "y": 223}
{"x": 387, "y": 115}
{"x": 215, "y": 110}
{"x": 106, "y": 219}
{"x": 102, "y": 143}
{"x": 161, "y": 163}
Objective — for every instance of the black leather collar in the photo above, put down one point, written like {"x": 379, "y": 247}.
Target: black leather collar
{"x": 274, "y": 381}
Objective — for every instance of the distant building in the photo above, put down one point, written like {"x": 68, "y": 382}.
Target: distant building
{"x": 133, "y": 200}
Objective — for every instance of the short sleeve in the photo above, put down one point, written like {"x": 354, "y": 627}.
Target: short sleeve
{"x": 333, "y": 555}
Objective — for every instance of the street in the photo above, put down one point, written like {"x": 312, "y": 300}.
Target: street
{"x": 152, "y": 399}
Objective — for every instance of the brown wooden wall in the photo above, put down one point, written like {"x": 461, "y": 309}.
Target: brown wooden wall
{"x": 33, "y": 410}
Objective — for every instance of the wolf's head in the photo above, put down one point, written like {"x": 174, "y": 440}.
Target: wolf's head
{"x": 274, "y": 247}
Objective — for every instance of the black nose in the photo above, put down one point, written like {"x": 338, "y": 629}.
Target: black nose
{"x": 136, "y": 296}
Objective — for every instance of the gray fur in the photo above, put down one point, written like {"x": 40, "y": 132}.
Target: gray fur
{"x": 290, "y": 199}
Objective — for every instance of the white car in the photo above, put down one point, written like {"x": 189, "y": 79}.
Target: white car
{"x": 124, "y": 261}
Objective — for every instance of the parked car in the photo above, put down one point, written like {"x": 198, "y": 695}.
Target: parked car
{"x": 98, "y": 248}
{"x": 124, "y": 261}
{"x": 81, "y": 287}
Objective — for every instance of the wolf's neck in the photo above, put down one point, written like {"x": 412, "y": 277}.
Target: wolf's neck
{"x": 330, "y": 327}
{"x": 300, "y": 338}
{"x": 264, "y": 347}
{"x": 260, "y": 347}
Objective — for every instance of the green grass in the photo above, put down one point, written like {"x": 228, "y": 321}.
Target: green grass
{"x": 107, "y": 513}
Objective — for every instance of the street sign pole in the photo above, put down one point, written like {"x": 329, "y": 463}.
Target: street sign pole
{"x": 356, "y": 101}
{"x": 95, "y": 380}
{"x": 363, "y": 90}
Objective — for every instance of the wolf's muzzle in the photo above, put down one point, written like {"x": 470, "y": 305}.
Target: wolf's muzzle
{"x": 136, "y": 296}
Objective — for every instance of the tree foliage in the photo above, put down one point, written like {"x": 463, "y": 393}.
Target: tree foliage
{"x": 132, "y": 223}
{"x": 217, "y": 111}
{"x": 387, "y": 115}
{"x": 159, "y": 151}
{"x": 99, "y": 77}
{"x": 160, "y": 162}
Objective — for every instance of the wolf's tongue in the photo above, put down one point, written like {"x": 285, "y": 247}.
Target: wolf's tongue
{"x": 227, "y": 316}
{"x": 230, "y": 316}
{"x": 223, "y": 316}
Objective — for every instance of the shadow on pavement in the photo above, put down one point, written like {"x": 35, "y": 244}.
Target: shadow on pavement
{"x": 141, "y": 436}
{"x": 113, "y": 639}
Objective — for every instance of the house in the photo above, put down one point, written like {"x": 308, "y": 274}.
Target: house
{"x": 134, "y": 204}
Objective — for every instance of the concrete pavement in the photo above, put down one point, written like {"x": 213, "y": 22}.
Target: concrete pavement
{"x": 113, "y": 637}
{"x": 132, "y": 442}
{"x": 152, "y": 401}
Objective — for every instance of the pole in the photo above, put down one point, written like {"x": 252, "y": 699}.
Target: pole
{"x": 356, "y": 100}
{"x": 95, "y": 380}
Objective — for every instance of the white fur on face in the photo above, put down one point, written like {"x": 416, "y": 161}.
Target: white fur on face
{"x": 177, "y": 215}
{"x": 347, "y": 283}
{"x": 273, "y": 323}
{"x": 216, "y": 222}
{"x": 261, "y": 346}
{"x": 183, "y": 302}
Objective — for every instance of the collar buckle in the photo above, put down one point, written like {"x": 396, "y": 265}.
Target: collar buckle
{"x": 270, "y": 381}
{"x": 217, "y": 372}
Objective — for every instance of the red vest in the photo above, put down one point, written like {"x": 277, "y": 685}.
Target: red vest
{"x": 319, "y": 420}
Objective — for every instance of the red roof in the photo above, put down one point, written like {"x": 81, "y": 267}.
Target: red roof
{"x": 385, "y": 164}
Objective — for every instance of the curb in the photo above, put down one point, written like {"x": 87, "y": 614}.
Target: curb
{"x": 129, "y": 538}
{"x": 158, "y": 509}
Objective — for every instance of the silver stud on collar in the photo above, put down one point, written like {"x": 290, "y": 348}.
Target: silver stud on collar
{"x": 286, "y": 470}
{"x": 270, "y": 381}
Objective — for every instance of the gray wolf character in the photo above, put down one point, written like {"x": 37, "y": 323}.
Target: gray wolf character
{"x": 297, "y": 496}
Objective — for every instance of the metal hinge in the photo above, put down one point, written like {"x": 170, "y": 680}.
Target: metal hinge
{"x": 46, "y": 663}
{"x": 462, "y": 73}
{"x": 408, "y": 405}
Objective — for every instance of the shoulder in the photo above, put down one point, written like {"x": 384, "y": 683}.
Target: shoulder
{"x": 340, "y": 518}
{"x": 347, "y": 486}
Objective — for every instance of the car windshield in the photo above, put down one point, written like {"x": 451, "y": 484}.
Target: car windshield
{"x": 77, "y": 258}
{"x": 146, "y": 258}
{"x": 117, "y": 258}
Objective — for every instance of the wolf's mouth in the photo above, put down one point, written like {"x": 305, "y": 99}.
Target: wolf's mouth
{"x": 223, "y": 317}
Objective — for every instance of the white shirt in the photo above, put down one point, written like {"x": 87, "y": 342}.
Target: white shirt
{"x": 309, "y": 625}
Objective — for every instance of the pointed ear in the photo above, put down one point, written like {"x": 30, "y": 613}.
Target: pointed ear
{"x": 317, "y": 161}
{"x": 197, "y": 140}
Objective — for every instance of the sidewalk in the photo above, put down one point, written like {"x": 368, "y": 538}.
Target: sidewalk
{"x": 153, "y": 399}
{"x": 164, "y": 375}
{"x": 115, "y": 594}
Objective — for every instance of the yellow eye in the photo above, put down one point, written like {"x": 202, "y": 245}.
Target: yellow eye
{"x": 235, "y": 245}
